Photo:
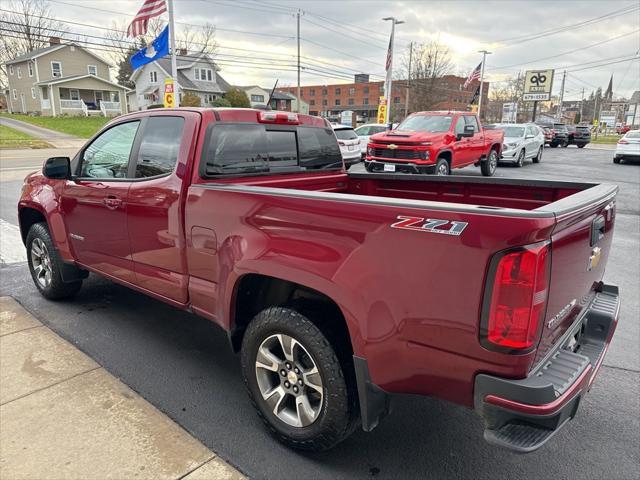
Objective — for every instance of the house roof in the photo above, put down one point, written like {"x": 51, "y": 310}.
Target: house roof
{"x": 71, "y": 78}
{"x": 219, "y": 86}
{"x": 184, "y": 62}
{"x": 52, "y": 48}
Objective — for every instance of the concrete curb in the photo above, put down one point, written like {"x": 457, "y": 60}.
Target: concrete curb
{"x": 64, "y": 416}
{"x": 52, "y": 137}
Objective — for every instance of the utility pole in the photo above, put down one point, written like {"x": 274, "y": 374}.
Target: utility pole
{"x": 298, "y": 102}
{"x": 174, "y": 62}
{"x": 406, "y": 98}
{"x": 581, "y": 106}
{"x": 559, "y": 115}
{"x": 484, "y": 58}
{"x": 389, "y": 66}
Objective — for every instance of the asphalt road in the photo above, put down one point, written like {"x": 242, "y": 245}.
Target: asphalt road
{"x": 182, "y": 364}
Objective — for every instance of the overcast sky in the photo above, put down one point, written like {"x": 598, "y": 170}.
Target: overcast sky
{"x": 339, "y": 37}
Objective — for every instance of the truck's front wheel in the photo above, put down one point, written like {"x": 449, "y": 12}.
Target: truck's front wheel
{"x": 45, "y": 265}
{"x": 488, "y": 167}
{"x": 296, "y": 381}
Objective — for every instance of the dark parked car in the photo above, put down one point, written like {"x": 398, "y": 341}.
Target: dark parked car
{"x": 561, "y": 137}
{"x": 548, "y": 134}
{"x": 579, "y": 135}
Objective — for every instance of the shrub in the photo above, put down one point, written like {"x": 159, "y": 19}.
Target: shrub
{"x": 220, "y": 102}
{"x": 237, "y": 98}
{"x": 190, "y": 100}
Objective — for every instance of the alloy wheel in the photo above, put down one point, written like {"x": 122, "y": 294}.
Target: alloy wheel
{"x": 443, "y": 169}
{"x": 289, "y": 380}
{"x": 493, "y": 161}
{"x": 521, "y": 158}
{"x": 41, "y": 262}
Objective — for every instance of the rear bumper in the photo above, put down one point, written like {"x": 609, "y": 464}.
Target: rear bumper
{"x": 523, "y": 414}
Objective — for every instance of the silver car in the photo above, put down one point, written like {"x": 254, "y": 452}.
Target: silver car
{"x": 522, "y": 141}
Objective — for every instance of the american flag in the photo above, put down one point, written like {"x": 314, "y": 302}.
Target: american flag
{"x": 475, "y": 75}
{"x": 149, "y": 9}
{"x": 389, "y": 54}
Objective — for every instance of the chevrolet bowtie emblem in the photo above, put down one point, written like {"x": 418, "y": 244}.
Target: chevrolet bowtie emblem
{"x": 393, "y": 146}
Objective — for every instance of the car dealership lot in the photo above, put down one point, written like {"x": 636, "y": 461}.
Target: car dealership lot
{"x": 182, "y": 365}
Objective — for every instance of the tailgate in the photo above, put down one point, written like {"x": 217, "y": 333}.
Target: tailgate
{"x": 580, "y": 245}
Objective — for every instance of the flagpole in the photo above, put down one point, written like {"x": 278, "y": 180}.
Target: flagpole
{"x": 389, "y": 79}
{"x": 174, "y": 62}
{"x": 484, "y": 58}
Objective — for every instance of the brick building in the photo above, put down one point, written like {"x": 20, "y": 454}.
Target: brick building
{"x": 363, "y": 97}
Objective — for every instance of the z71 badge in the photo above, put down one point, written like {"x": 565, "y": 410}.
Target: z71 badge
{"x": 430, "y": 225}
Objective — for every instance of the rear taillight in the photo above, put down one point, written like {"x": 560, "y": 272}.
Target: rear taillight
{"x": 516, "y": 298}
{"x": 623, "y": 141}
{"x": 341, "y": 143}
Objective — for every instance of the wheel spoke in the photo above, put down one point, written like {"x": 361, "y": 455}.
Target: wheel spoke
{"x": 305, "y": 412}
{"x": 287, "y": 343}
{"x": 38, "y": 269}
{"x": 35, "y": 248}
{"x": 274, "y": 399}
{"x": 267, "y": 360}
{"x": 312, "y": 379}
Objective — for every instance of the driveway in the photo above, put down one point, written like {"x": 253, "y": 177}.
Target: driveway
{"x": 56, "y": 139}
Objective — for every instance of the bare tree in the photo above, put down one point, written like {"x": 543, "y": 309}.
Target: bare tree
{"x": 430, "y": 62}
{"x": 199, "y": 40}
{"x": 505, "y": 91}
{"x": 25, "y": 28}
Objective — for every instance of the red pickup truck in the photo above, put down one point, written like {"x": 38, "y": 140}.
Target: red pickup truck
{"x": 435, "y": 142}
{"x": 339, "y": 289}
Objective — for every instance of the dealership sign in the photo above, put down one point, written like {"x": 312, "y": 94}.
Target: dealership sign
{"x": 537, "y": 85}
{"x": 509, "y": 112}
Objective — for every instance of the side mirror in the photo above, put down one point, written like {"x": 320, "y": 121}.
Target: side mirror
{"x": 58, "y": 168}
{"x": 469, "y": 131}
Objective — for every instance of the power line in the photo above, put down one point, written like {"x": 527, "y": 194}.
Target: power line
{"x": 503, "y": 67}
{"x": 553, "y": 31}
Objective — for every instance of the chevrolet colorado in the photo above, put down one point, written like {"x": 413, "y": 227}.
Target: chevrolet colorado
{"x": 339, "y": 290}
{"x": 435, "y": 142}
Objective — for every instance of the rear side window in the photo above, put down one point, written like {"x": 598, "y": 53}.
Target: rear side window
{"x": 318, "y": 148}
{"x": 159, "y": 147}
{"x": 236, "y": 149}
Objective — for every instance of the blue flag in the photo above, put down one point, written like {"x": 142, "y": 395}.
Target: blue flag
{"x": 158, "y": 49}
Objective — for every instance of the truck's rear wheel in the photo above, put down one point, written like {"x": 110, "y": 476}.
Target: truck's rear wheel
{"x": 488, "y": 167}
{"x": 296, "y": 381}
{"x": 44, "y": 265}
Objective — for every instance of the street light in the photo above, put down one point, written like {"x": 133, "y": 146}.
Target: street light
{"x": 389, "y": 66}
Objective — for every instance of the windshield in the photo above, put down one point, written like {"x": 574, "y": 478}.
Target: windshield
{"x": 426, "y": 123}
{"x": 633, "y": 135}
{"x": 346, "y": 134}
{"x": 513, "y": 131}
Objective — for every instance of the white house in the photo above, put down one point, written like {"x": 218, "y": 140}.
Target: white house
{"x": 257, "y": 96}
{"x": 197, "y": 74}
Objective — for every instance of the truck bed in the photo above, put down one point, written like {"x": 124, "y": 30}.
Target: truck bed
{"x": 485, "y": 193}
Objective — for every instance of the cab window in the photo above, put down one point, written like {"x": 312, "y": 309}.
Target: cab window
{"x": 459, "y": 126}
{"x": 108, "y": 155}
{"x": 473, "y": 121}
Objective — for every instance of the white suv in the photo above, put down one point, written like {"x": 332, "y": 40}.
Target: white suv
{"x": 349, "y": 144}
{"x": 628, "y": 146}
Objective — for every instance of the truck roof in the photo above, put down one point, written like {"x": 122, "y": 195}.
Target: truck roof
{"x": 248, "y": 115}
{"x": 443, "y": 112}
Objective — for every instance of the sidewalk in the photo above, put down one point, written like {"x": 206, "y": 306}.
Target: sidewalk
{"x": 63, "y": 416}
{"x": 56, "y": 139}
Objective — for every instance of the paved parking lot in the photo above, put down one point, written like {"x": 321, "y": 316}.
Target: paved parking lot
{"x": 182, "y": 365}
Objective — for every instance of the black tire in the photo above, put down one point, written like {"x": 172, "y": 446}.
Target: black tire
{"x": 488, "y": 167}
{"x": 565, "y": 144}
{"x": 520, "y": 159}
{"x": 616, "y": 159}
{"x": 554, "y": 145}
{"x": 337, "y": 412}
{"x": 442, "y": 167}
{"x": 55, "y": 288}
{"x": 581, "y": 145}
{"x": 538, "y": 157}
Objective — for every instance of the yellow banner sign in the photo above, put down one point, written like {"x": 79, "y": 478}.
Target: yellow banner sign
{"x": 382, "y": 110}
{"x": 169, "y": 98}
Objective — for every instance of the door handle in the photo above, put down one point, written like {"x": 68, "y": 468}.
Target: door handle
{"x": 112, "y": 202}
